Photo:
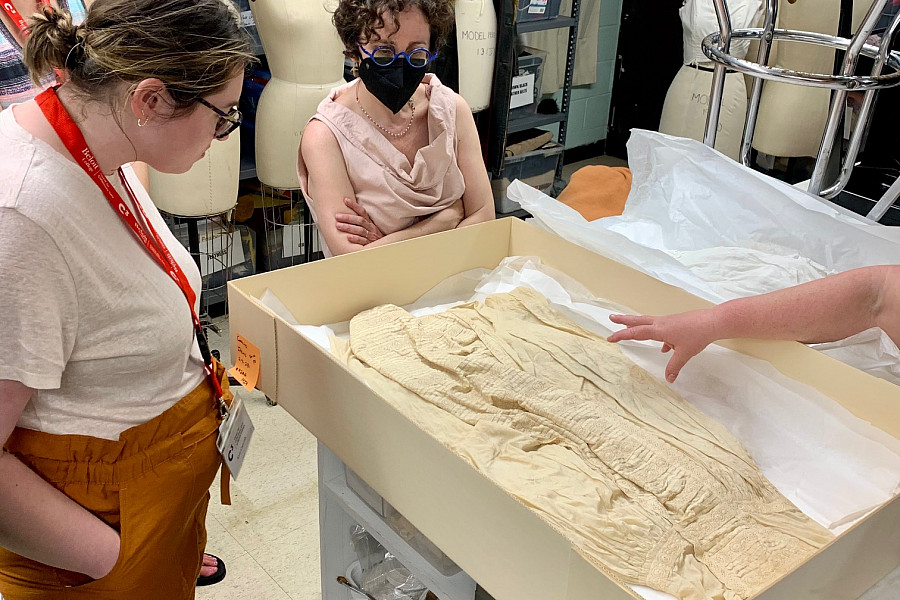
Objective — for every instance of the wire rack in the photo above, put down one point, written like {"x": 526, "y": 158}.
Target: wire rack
{"x": 221, "y": 251}
{"x": 291, "y": 236}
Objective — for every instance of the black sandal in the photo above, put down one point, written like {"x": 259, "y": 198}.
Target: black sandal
{"x": 216, "y": 577}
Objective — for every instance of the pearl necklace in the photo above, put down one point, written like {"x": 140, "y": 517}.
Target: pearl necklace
{"x": 412, "y": 105}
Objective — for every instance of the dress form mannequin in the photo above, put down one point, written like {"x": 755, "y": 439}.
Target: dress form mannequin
{"x": 209, "y": 188}
{"x": 797, "y": 109}
{"x": 476, "y": 40}
{"x": 686, "y": 105}
{"x": 306, "y": 60}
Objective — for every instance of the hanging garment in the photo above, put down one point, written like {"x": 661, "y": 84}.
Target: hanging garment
{"x": 641, "y": 482}
{"x": 556, "y": 43}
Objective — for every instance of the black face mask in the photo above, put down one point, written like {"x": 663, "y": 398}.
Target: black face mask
{"x": 393, "y": 84}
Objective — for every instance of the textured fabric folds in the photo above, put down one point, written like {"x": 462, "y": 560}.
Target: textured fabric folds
{"x": 641, "y": 482}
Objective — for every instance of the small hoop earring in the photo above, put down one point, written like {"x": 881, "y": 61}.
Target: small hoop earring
{"x": 146, "y": 120}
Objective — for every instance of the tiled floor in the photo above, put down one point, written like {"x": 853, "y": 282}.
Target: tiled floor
{"x": 269, "y": 536}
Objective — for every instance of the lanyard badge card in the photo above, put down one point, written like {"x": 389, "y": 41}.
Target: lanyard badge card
{"x": 234, "y": 436}
{"x": 16, "y": 17}
{"x": 235, "y": 432}
{"x": 236, "y": 429}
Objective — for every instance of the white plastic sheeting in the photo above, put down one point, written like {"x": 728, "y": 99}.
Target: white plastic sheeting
{"x": 700, "y": 221}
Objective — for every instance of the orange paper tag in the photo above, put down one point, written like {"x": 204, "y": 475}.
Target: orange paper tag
{"x": 246, "y": 364}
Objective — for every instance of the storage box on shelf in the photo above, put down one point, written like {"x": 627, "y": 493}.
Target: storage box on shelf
{"x": 500, "y": 543}
{"x": 536, "y": 168}
{"x": 537, "y": 10}
{"x": 513, "y": 109}
{"x": 526, "y": 83}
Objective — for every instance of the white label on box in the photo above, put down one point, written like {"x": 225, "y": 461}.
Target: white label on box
{"x": 291, "y": 241}
{"x": 247, "y": 19}
{"x": 522, "y": 91}
{"x": 212, "y": 251}
{"x": 537, "y": 10}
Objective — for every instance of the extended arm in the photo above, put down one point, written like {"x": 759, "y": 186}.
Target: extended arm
{"x": 823, "y": 310}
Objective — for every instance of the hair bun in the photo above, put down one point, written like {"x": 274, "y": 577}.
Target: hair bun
{"x": 51, "y": 37}
{"x": 58, "y": 20}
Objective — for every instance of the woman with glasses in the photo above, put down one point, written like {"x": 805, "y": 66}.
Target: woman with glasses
{"x": 109, "y": 400}
{"x": 393, "y": 154}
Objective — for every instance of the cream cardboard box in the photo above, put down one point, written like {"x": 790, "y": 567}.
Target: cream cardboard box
{"x": 500, "y": 543}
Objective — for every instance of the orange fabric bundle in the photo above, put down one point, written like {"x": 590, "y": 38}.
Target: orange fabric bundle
{"x": 597, "y": 191}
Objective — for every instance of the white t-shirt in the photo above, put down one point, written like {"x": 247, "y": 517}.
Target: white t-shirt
{"x": 87, "y": 317}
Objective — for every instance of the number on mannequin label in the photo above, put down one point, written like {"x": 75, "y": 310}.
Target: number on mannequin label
{"x": 234, "y": 436}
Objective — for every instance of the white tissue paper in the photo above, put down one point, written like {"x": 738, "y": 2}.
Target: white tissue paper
{"x": 833, "y": 466}
{"x": 700, "y": 221}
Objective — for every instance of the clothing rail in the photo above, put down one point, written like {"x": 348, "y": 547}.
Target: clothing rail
{"x": 716, "y": 47}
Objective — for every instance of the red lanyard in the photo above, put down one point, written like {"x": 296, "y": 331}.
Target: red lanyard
{"x": 74, "y": 142}
{"x": 13, "y": 14}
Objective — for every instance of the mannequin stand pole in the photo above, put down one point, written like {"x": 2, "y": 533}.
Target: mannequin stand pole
{"x": 716, "y": 47}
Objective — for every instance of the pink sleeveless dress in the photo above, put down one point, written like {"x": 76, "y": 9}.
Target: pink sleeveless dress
{"x": 394, "y": 192}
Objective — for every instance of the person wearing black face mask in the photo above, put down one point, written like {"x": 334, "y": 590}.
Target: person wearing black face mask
{"x": 393, "y": 78}
{"x": 393, "y": 154}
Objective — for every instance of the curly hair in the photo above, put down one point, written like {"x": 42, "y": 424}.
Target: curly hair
{"x": 357, "y": 20}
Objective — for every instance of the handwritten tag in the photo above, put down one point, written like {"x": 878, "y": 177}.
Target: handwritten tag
{"x": 246, "y": 364}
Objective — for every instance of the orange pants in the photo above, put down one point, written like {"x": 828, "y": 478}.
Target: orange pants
{"x": 152, "y": 485}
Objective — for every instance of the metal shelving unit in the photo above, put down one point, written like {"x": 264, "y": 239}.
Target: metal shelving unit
{"x": 498, "y": 124}
{"x": 554, "y": 23}
{"x": 523, "y": 123}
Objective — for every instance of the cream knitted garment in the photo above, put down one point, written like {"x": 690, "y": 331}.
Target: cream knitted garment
{"x": 642, "y": 483}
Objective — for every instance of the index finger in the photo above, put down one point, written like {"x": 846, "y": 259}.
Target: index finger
{"x": 631, "y": 320}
